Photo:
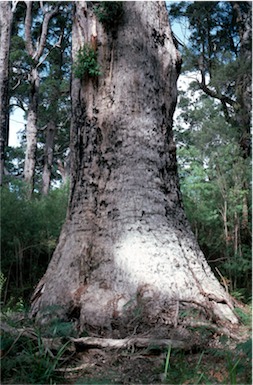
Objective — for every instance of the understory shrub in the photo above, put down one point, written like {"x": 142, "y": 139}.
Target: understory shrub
{"x": 29, "y": 232}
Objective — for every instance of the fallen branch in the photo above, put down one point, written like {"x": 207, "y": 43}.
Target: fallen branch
{"x": 94, "y": 342}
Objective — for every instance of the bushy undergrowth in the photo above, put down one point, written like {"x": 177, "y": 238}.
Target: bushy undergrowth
{"x": 29, "y": 232}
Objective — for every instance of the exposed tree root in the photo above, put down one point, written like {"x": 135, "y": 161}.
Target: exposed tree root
{"x": 126, "y": 343}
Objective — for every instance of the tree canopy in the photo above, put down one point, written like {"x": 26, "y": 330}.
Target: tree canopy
{"x": 219, "y": 49}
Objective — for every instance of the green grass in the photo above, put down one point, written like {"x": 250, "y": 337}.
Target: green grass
{"x": 26, "y": 360}
{"x": 211, "y": 366}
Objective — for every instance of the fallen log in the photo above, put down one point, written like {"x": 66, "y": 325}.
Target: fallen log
{"x": 126, "y": 343}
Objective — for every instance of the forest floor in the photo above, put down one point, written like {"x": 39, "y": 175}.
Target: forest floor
{"x": 218, "y": 360}
{"x": 213, "y": 358}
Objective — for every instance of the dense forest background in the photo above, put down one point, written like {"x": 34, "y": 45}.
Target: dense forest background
{"x": 211, "y": 132}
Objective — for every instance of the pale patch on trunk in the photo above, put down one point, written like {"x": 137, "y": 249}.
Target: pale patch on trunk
{"x": 126, "y": 247}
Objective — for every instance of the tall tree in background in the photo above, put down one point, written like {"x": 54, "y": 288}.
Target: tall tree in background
{"x": 54, "y": 110}
{"x": 126, "y": 243}
{"x": 53, "y": 78}
{"x": 36, "y": 51}
{"x": 6, "y": 16}
{"x": 220, "y": 50}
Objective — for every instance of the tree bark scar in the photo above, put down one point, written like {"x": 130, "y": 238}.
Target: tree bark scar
{"x": 94, "y": 43}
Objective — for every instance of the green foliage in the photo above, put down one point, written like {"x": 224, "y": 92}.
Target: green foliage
{"x": 240, "y": 363}
{"x": 244, "y": 316}
{"x": 214, "y": 183}
{"x": 219, "y": 50}
{"x": 86, "y": 63}
{"x": 26, "y": 361}
{"x": 30, "y": 230}
{"x": 109, "y": 13}
{"x": 246, "y": 349}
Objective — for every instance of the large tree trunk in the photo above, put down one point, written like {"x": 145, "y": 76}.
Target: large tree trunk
{"x": 126, "y": 242}
{"x": 5, "y": 35}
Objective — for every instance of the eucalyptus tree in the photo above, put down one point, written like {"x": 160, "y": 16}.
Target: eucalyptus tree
{"x": 220, "y": 50}
{"x": 37, "y": 53}
{"x": 45, "y": 106}
{"x": 6, "y": 16}
{"x": 54, "y": 109}
{"x": 126, "y": 245}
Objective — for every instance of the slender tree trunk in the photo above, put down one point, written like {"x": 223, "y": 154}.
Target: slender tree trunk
{"x": 48, "y": 157}
{"x": 63, "y": 170}
{"x": 5, "y": 35}
{"x": 31, "y": 129}
{"x": 225, "y": 223}
{"x": 126, "y": 242}
{"x": 227, "y": 235}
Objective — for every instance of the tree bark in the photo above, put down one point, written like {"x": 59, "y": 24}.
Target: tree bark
{"x": 5, "y": 36}
{"x": 126, "y": 246}
{"x": 48, "y": 157}
{"x": 31, "y": 129}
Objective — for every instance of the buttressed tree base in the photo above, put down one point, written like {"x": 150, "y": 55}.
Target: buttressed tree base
{"x": 126, "y": 249}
